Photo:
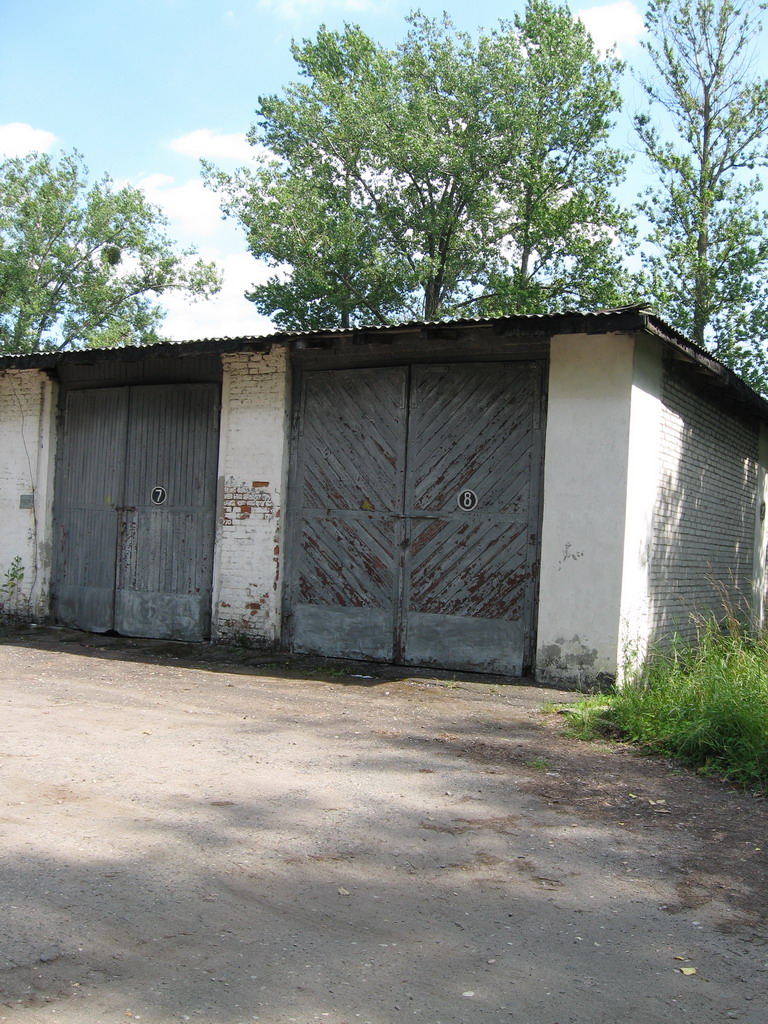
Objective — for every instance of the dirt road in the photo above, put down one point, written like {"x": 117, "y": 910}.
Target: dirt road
{"x": 190, "y": 834}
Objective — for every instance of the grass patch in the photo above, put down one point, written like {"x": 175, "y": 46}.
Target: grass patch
{"x": 704, "y": 703}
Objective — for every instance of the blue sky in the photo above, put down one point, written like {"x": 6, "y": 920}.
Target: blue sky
{"x": 145, "y": 88}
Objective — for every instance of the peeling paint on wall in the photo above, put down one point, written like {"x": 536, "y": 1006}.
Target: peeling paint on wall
{"x": 26, "y": 471}
{"x": 570, "y": 662}
{"x": 571, "y": 653}
{"x": 246, "y": 501}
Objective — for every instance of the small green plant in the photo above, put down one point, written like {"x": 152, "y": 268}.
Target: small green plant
{"x": 591, "y": 718}
{"x": 9, "y": 588}
{"x": 241, "y": 641}
{"x": 335, "y": 672}
{"x": 539, "y": 764}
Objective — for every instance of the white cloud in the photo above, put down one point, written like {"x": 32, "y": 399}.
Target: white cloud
{"x": 229, "y": 314}
{"x": 295, "y": 9}
{"x": 205, "y": 144}
{"x": 18, "y": 139}
{"x": 192, "y": 209}
{"x": 194, "y": 215}
{"x": 619, "y": 24}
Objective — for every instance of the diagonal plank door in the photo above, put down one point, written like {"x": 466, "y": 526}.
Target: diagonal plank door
{"x": 349, "y": 531}
{"x": 416, "y": 536}
{"x": 472, "y": 510}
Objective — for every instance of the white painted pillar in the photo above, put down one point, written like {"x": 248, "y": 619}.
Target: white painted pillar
{"x": 40, "y": 596}
{"x": 28, "y": 431}
{"x": 253, "y": 461}
{"x": 584, "y": 509}
{"x": 759, "y": 570}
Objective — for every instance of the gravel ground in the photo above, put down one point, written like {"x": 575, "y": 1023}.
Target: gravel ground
{"x": 199, "y": 833}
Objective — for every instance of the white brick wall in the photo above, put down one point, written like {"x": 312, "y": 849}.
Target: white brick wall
{"x": 704, "y": 519}
{"x": 26, "y": 468}
{"x": 253, "y": 470}
{"x": 643, "y": 459}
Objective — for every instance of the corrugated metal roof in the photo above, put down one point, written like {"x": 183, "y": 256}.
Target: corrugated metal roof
{"x": 621, "y": 319}
{"x": 227, "y": 342}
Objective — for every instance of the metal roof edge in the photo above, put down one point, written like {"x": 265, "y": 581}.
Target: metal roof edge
{"x": 718, "y": 373}
{"x": 131, "y": 353}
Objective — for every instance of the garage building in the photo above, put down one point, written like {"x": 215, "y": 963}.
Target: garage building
{"x": 543, "y": 495}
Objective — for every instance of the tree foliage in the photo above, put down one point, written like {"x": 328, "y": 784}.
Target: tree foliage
{"x": 83, "y": 265}
{"x": 450, "y": 175}
{"x": 706, "y": 135}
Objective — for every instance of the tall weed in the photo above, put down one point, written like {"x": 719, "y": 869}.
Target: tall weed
{"x": 704, "y": 703}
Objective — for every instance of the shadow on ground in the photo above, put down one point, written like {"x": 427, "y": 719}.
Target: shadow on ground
{"x": 185, "y": 839}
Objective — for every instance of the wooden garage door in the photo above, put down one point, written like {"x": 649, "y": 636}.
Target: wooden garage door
{"x": 416, "y": 510}
{"x": 135, "y": 508}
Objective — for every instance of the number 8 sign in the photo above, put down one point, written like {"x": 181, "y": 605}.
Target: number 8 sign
{"x": 467, "y": 500}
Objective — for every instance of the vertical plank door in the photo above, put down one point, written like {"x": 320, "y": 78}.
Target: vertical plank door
{"x": 135, "y": 508}
{"x": 166, "y": 528}
{"x": 89, "y": 489}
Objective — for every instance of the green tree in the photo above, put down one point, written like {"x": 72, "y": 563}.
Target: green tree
{"x": 447, "y": 176}
{"x": 83, "y": 265}
{"x": 706, "y": 267}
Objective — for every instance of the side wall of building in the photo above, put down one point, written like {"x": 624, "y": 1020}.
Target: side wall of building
{"x": 253, "y": 460}
{"x": 703, "y": 557}
{"x": 643, "y": 465}
{"x": 27, "y": 427}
